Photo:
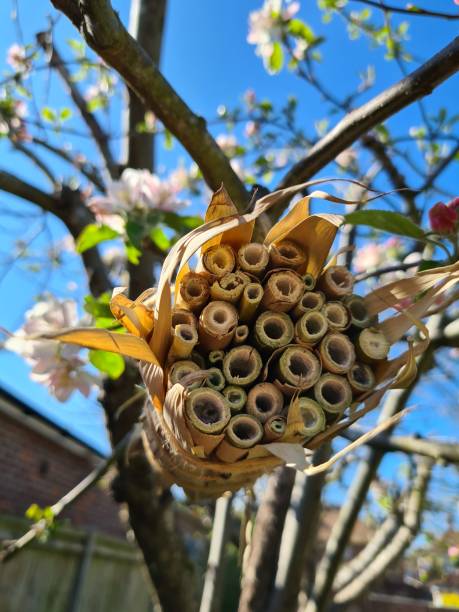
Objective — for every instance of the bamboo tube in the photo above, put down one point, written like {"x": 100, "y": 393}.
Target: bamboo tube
{"x": 184, "y": 340}
{"x": 251, "y": 298}
{"x": 219, "y": 260}
{"x": 216, "y": 326}
{"x": 309, "y": 281}
{"x": 287, "y": 254}
{"x": 229, "y": 288}
{"x": 180, "y": 369}
{"x": 337, "y": 353}
{"x": 241, "y": 334}
{"x": 313, "y": 416}
{"x": 236, "y": 398}
{"x": 216, "y": 357}
{"x": 243, "y": 432}
{"x": 333, "y": 393}
{"x": 199, "y": 359}
{"x": 372, "y": 345}
{"x": 273, "y": 330}
{"x": 253, "y": 258}
{"x": 283, "y": 290}
{"x": 207, "y": 414}
{"x": 215, "y": 379}
{"x": 361, "y": 378}
{"x": 242, "y": 365}
{"x": 358, "y": 312}
{"x": 264, "y": 401}
{"x": 336, "y": 282}
{"x": 182, "y": 316}
{"x": 337, "y": 315}
{"x": 311, "y": 328}
{"x": 274, "y": 428}
{"x": 299, "y": 367}
{"x": 310, "y": 300}
{"x": 194, "y": 290}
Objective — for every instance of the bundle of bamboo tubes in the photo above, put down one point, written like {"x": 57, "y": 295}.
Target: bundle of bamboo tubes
{"x": 263, "y": 351}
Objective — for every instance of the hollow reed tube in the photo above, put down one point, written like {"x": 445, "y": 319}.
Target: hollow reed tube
{"x": 241, "y": 334}
{"x": 309, "y": 281}
{"x": 253, "y": 258}
{"x": 313, "y": 416}
{"x": 184, "y": 340}
{"x": 358, "y": 312}
{"x": 250, "y": 300}
{"x": 242, "y": 365}
{"x": 311, "y": 328}
{"x": 264, "y": 401}
{"x": 372, "y": 345}
{"x": 310, "y": 300}
{"x": 217, "y": 324}
{"x": 236, "y": 398}
{"x": 194, "y": 290}
{"x": 283, "y": 290}
{"x": 229, "y": 288}
{"x": 273, "y": 330}
{"x": 299, "y": 367}
{"x": 361, "y": 378}
{"x": 219, "y": 260}
{"x": 182, "y": 316}
{"x": 287, "y": 254}
{"x": 274, "y": 428}
{"x": 337, "y": 353}
{"x": 243, "y": 432}
{"x": 208, "y": 414}
{"x": 337, "y": 315}
{"x": 336, "y": 282}
{"x": 215, "y": 379}
{"x": 216, "y": 357}
{"x": 181, "y": 369}
{"x": 333, "y": 393}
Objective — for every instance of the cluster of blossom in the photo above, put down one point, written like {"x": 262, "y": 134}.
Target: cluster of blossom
{"x": 374, "y": 255}
{"x": 59, "y": 367}
{"x": 267, "y": 27}
{"x": 138, "y": 191}
{"x": 12, "y": 115}
{"x": 17, "y": 58}
{"x": 444, "y": 218}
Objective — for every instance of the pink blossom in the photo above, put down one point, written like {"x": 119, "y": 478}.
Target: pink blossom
{"x": 453, "y": 551}
{"x": 58, "y": 367}
{"x": 442, "y": 218}
{"x": 228, "y": 143}
{"x": 250, "y": 98}
{"x": 374, "y": 255}
{"x": 16, "y": 57}
{"x": 251, "y": 128}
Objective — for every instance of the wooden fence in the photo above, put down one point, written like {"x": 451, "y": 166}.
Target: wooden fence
{"x": 73, "y": 571}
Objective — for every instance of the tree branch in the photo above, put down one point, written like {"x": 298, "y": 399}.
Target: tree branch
{"x": 69, "y": 207}
{"x": 415, "y": 12}
{"x": 266, "y": 538}
{"x": 416, "y": 85}
{"x": 400, "y": 541}
{"x": 99, "y": 135}
{"x": 103, "y": 31}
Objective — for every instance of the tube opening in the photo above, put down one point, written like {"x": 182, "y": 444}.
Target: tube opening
{"x": 253, "y": 254}
{"x": 314, "y": 324}
{"x": 310, "y": 301}
{"x": 309, "y": 417}
{"x": 340, "y": 277}
{"x": 274, "y": 328}
{"x": 219, "y": 316}
{"x": 253, "y": 292}
{"x": 333, "y": 393}
{"x": 194, "y": 289}
{"x": 284, "y": 286}
{"x": 338, "y": 351}
{"x": 245, "y": 430}
{"x": 358, "y": 310}
{"x": 264, "y": 402}
{"x": 277, "y": 426}
{"x": 186, "y": 333}
{"x": 287, "y": 251}
{"x": 241, "y": 366}
{"x": 299, "y": 365}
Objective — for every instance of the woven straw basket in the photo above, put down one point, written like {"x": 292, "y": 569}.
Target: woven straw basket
{"x": 168, "y": 436}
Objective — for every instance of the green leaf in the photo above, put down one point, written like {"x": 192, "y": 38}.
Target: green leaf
{"x": 98, "y": 306}
{"x": 276, "y": 61}
{"x": 168, "y": 140}
{"x": 386, "y": 221}
{"x": 159, "y": 238}
{"x": 65, "y": 114}
{"x": 428, "y": 264}
{"x": 111, "y": 364}
{"x": 181, "y": 223}
{"x": 92, "y": 235}
{"x": 298, "y": 28}
{"x": 48, "y": 114}
{"x": 133, "y": 253}
{"x": 135, "y": 232}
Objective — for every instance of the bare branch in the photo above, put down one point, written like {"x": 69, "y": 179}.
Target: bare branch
{"x": 416, "y": 85}
{"x": 99, "y": 135}
{"x": 35, "y": 159}
{"x": 431, "y": 178}
{"x": 400, "y": 541}
{"x": 68, "y": 206}
{"x": 413, "y": 12}
{"x": 67, "y": 500}
{"x": 400, "y": 267}
{"x": 104, "y": 33}
{"x": 213, "y": 579}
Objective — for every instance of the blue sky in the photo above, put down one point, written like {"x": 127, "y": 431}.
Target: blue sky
{"x": 207, "y": 59}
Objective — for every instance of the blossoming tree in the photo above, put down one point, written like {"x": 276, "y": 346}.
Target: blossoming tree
{"x": 123, "y": 214}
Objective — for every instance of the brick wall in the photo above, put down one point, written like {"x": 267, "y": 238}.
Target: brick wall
{"x": 37, "y": 470}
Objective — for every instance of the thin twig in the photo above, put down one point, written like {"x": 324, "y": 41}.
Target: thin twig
{"x": 414, "y": 12}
